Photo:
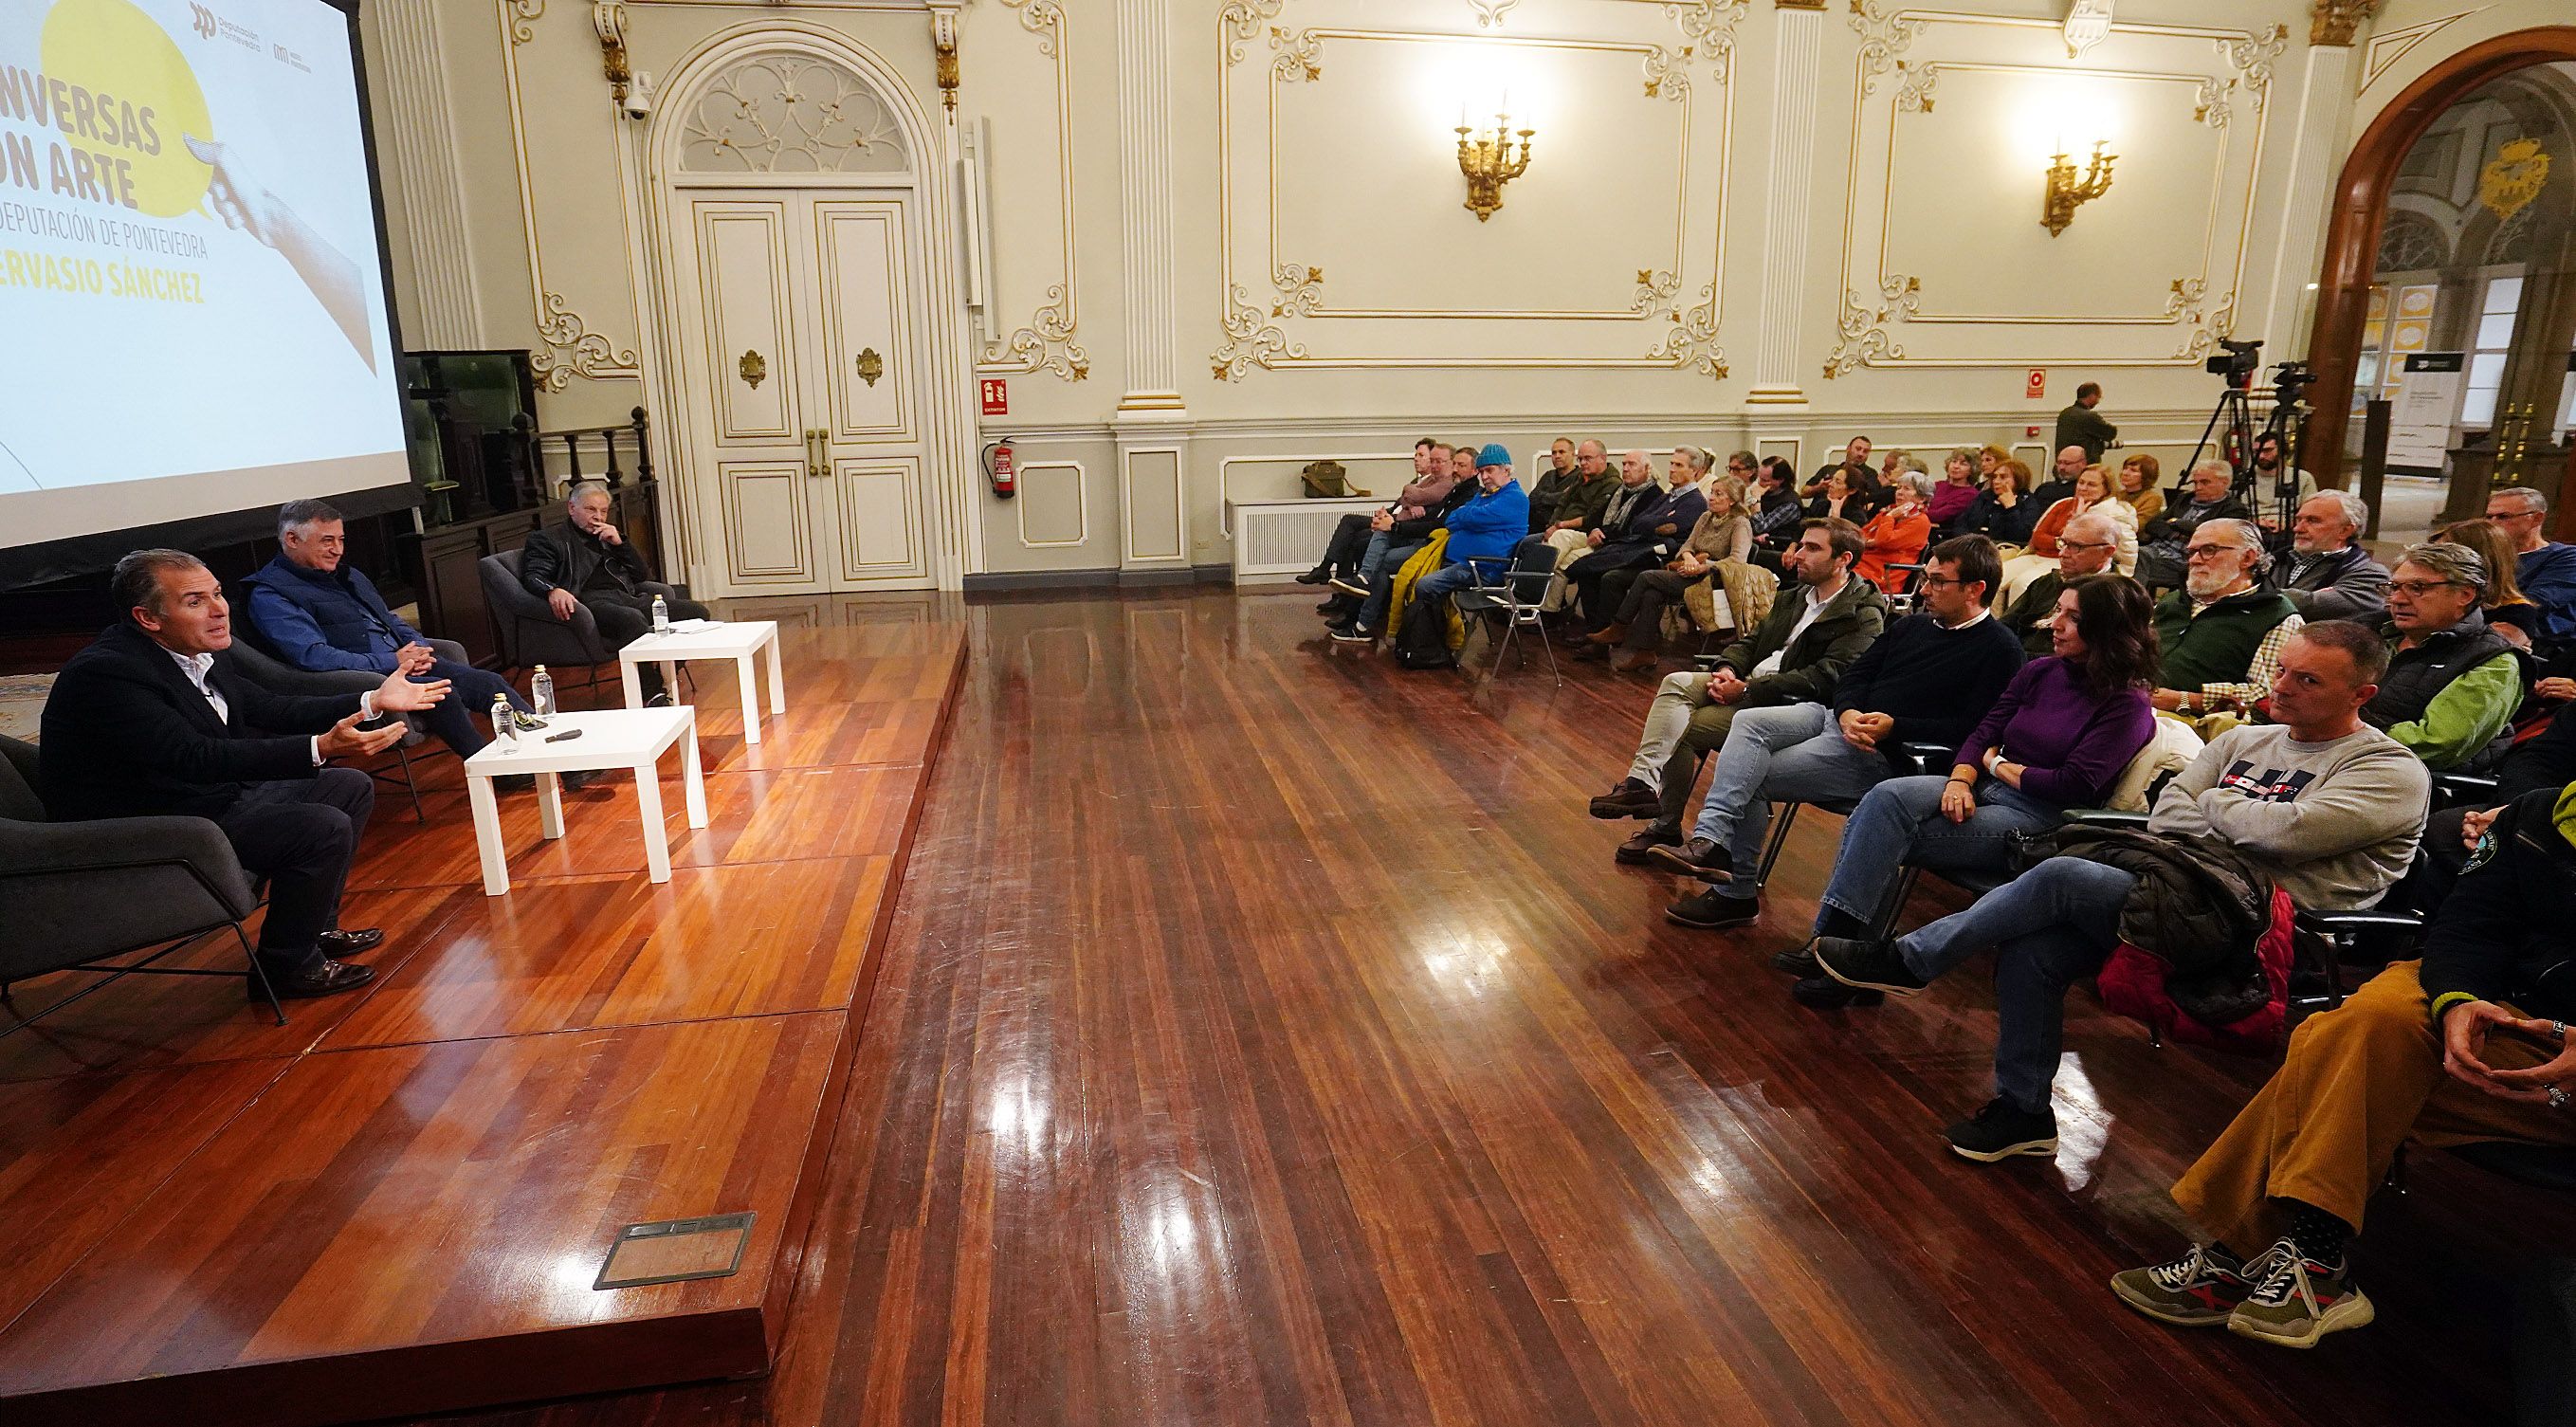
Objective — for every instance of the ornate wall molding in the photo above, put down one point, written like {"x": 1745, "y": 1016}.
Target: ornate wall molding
{"x": 2385, "y": 50}
{"x": 1048, "y": 342}
{"x": 1149, "y": 326}
{"x": 1888, "y": 275}
{"x": 1797, "y": 45}
{"x": 1697, "y": 65}
{"x": 2335, "y": 22}
{"x": 567, "y": 347}
{"x": 1490, "y": 13}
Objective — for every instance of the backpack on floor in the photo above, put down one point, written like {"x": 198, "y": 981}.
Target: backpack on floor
{"x": 1422, "y": 640}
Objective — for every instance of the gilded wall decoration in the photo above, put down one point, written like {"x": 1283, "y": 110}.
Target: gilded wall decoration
{"x": 572, "y": 349}
{"x": 1047, "y": 342}
{"x": 565, "y": 347}
{"x": 1883, "y": 40}
{"x": 1490, "y": 13}
{"x": 1686, "y": 65}
{"x": 1301, "y": 290}
{"x": 2088, "y": 23}
{"x": 2513, "y": 178}
{"x": 1692, "y": 342}
{"x": 521, "y": 16}
{"x": 1249, "y": 341}
{"x": 2334, "y": 22}
{"x": 1241, "y": 22}
{"x": 1864, "y": 327}
{"x": 1914, "y": 90}
{"x": 1301, "y": 55}
{"x": 2253, "y": 57}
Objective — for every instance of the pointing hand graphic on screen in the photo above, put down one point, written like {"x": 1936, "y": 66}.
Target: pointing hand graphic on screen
{"x": 248, "y": 205}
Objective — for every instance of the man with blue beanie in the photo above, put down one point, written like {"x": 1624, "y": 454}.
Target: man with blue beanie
{"x": 1484, "y": 530}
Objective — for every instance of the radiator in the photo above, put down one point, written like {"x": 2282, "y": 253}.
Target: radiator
{"x": 1278, "y": 538}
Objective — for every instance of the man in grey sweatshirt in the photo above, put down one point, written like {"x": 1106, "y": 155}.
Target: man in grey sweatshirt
{"x": 2325, "y": 805}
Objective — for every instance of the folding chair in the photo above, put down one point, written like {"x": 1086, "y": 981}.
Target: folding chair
{"x": 1515, "y": 595}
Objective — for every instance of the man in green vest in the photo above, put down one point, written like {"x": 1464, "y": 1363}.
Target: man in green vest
{"x": 2222, "y": 632}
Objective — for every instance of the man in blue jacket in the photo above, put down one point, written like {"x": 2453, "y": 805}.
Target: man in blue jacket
{"x": 317, "y": 613}
{"x": 1485, "y": 530}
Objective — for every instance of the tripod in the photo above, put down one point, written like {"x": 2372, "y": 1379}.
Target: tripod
{"x": 2235, "y": 413}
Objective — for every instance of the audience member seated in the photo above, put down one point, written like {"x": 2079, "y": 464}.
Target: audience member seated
{"x": 1351, "y": 533}
{"x": 1897, "y": 534}
{"x": 2325, "y": 572}
{"x": 1843, "y": 496}
{"x": 2545, "y": 569}
{"x": 2321, "y": 805}
{"x": 151, "y": 719}
{"x": 1654, "y": 528}
{"x": 1854, "y": 465}
{"x": 1604, "y": 503}
{"x": 2467, "y": 1045}
{"x": 1561, "y": 473}
{"x": 2222, "y": 632}
{"x": 2137, "y": 483}
{"x": 319, "y": 613}
{"x": 586, "y": 560}
{"x": 2161, "y": 540}
{"x": 1818, "y": 626}
{"x": 2509, "y": 612}
{"x": 1485, "y": 530}
{"x": 2059, "y": 738}
{"x": 2093, "y": 496}
{"x": 1777, "y": 512}
{"x": 2273, "y": 488}
{"x": 2085, "y": 547}
{"x": 2452, "y": 683}
{"x": 1957, "y": 491}
{"x": 1640, "y": 596}
{"x": 1927, "y": 680}
{"x": 1393, "y": 538}
{"x": 2003, "y": 513}
{"x": 2070, "y": 463}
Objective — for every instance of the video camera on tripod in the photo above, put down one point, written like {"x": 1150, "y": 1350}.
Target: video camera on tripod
{"x": 2236, "y": 365}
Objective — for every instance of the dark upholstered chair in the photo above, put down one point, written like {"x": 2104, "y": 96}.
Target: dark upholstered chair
{"x": 76, "y": 895}
{"x": 530, "y": 633}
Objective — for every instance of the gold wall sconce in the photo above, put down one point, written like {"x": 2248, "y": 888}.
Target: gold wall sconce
{"x": 2066, "y": 191}
{"x": 1488, "y": 162}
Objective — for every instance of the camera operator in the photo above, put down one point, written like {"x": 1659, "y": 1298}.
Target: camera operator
{"x": 2274, "y": 488}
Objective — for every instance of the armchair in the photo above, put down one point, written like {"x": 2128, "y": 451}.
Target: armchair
{"x": 252, "y": 654}
{"x": 530, "y": 632}
{"x": 76, "y": 895}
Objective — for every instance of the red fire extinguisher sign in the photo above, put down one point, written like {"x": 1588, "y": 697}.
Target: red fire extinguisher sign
{"x": 997, "y": 396}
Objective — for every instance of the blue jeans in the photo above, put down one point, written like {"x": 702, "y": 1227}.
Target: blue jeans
{"x": 2050, "y": 925}
{"x": 1791, "y": 753}
{"x": 1900, "y": 822}
{"x": 1378, "y": 569}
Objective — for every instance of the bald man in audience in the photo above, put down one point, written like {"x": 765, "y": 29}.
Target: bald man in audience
{"x": 2085, "y": 547}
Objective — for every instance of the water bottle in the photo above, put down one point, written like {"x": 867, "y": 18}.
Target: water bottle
{"x": 504, "y": 727}
{"x": 541, "y": 691}
{"x": 661, "y": 616}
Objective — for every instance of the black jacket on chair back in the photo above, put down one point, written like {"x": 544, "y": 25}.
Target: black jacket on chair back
{"x": 127, "y": 735}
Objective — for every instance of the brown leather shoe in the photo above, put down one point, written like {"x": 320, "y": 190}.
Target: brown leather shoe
{"x": 1700, "y": 857}
{"x": 1607, "y": 635}
{"x": 1625, "y": 660}
{"x": 1584, "y": 650}
{"x": 1630, "y": 799}
{"x": 1639, "y": 850}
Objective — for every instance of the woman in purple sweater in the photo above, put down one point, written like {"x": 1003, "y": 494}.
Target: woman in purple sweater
{"x": 2059, "y": 738}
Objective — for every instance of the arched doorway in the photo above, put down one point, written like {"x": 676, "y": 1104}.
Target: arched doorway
{"x": 2359, "y": 221}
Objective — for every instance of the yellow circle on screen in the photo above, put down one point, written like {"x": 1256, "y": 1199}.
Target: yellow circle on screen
{"x": 142, "y": 93}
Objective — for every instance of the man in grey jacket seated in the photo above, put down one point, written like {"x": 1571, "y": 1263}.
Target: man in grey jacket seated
{"x": 2325, "y": 573}
{"x": 2325, "y": 805}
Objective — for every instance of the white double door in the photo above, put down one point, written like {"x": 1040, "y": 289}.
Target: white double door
{"x": 806, "y": 388}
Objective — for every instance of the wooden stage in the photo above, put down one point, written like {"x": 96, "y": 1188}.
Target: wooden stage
{"x": 398, "y": 1202}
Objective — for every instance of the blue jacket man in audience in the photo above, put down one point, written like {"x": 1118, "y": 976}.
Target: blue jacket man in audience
{"x": 1487, "y": 529}
{"x": 318, "y": 613}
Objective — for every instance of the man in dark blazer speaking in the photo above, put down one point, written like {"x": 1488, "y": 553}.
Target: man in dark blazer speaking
{"x": 153, "y": 719}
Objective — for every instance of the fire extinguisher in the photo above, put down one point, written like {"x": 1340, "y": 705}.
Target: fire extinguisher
{"x": 997, "y": 469}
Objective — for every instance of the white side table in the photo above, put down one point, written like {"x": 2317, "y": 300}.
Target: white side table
{"x": 610, "y": 738}
{"x": 739, "y": 640}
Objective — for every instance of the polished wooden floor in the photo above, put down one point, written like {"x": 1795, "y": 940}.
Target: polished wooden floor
{"x": 1265, "y": 1036}
{"x": 399, "y": 1200}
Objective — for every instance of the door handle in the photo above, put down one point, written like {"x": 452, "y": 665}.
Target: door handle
{"x": 818, "y": 456}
